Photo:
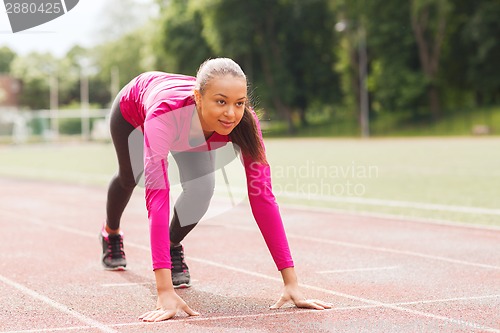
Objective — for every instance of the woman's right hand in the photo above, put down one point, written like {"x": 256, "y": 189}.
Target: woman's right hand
{"x": 169, "y": 303}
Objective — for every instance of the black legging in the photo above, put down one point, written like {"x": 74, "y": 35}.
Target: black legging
{"x": 196, "y": 171}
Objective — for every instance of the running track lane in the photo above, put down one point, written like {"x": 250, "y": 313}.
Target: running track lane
{"x": 235, "y": 279}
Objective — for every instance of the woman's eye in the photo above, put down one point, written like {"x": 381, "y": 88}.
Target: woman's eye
{"x": 221, "y": 102}
{"x": 240, "y": 104}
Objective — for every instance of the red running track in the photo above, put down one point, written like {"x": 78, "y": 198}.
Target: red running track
{"x": 382, "y": 275}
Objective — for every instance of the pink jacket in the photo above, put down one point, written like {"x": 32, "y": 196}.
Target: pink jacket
{"x": 162, "y": 105}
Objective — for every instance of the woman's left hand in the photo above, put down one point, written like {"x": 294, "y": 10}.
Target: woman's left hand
{"x": 292, "y": 293}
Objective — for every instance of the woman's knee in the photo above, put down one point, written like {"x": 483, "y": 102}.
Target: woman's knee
{"x": 125, "y": 182}
{"x": 200, "y": 188}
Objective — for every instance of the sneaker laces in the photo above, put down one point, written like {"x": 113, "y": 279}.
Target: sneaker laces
{"x": 115, "y": 245}
{"x": 177, "y": 257}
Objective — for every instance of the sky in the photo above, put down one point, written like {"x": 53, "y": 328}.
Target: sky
{"x": 80, "y": 26}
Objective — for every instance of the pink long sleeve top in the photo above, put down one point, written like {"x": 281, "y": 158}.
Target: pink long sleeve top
{"x": 162, "y": 106}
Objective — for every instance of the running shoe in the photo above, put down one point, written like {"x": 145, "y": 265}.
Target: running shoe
{"x": 180, "y": 271}
{"x": 113, "y": 256}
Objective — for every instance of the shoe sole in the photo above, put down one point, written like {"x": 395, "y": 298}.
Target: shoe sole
{"x": 182, "y": 286}
{"x": 115, "y": 269}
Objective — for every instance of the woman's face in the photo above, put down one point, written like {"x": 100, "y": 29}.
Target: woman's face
{"x": 222, "y": 104}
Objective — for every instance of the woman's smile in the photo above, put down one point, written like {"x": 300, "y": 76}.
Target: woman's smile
{"x": 226, "y": 124}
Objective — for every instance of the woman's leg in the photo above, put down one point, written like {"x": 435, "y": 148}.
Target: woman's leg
{"x": 196, "y": 171}
{"x": 123, "y": 183}
{"x": 119, "y": 191}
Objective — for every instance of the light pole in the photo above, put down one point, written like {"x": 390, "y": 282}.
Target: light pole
{"x": 84, "y": 98}
{"x": 115, "y": 82}
{"x": 52, "y": 71}
{"x": 54, "y": 105}
{"x": 364, "y": 114}
{"x": 84, "y": 95}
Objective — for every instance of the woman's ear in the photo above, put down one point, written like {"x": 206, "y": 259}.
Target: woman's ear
{"x": 197, "y": 97}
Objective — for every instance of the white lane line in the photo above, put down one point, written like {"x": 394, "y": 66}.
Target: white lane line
{"x": 61, "y": 307}
{"x": 294, "y": 195}
{"x": 404, "y": 204}
{"x": 389, "y": 250}
{"x": 367, "y": 269}
{"x": 352, "y": 297}
{"x": 108, "y": 285}
{"x": 131, "y": 284}
{"x": 446, "y": 300}
{"x": 290, "y": 235}
{"x": 382, "y": 202}
{"x": 272, "y": 313}
{"x": 53, "y": 329}
{"x": 397, "y": 217}
{"x": 375, "y": 248}
{"x": 305, "y": 286}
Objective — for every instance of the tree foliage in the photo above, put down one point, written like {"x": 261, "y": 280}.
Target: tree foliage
{"x": 6, "y": 58}
{"x": 286, "y": 47}
{"x": 425, "y": 57}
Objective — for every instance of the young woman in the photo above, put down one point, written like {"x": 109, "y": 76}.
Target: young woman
{"x": 189, "y": 118}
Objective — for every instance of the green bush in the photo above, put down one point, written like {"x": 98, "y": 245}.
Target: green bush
{"x": 73, "y": 126}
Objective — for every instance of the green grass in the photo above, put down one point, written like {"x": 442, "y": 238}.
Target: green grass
{"x": 462, "y": 172}
{"x": 450, "y": 171}
{"x": 91, "y": 164}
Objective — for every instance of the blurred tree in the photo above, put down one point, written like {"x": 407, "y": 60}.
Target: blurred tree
{"x": 429, "y": 20}
{"x": 425, "y": 56}
{"x": 127, "y": 56}
{"x": 456, "y": 88}
{"x": 396, "y": 82}
{"x": 6, "y": 58}
{"x": 309, "y": 43}
{"x": 128, "y": 47}
{"x": 34, "y": 70}
{"x": 70, "y": 82}
{"x": 285, "y": 47}
{"x": 467, "y": 76}
{"x": 256, "y": 39}
{"x": 182, "y": 46}
{"x": 352, "y": 24}
{"x": 481, "y": 35}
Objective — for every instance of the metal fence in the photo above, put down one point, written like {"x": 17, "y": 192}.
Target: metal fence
{"x": 21, "y": 126}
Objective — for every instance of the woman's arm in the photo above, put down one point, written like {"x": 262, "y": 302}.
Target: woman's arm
{"x": 157, "y": 138}
{"x": 266, "y": 213}
{"x": 265, "y": 208}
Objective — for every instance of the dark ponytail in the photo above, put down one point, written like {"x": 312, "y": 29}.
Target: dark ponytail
{"x": 246, "y": 136}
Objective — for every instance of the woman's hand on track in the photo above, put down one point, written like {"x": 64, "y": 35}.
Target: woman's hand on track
{"x": 169, "y": 303}
{"x": 293, "y": 294}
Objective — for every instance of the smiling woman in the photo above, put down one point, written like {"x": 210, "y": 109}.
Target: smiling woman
{"x": 226, "y": 102}
{"x": 189, "y": 118}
